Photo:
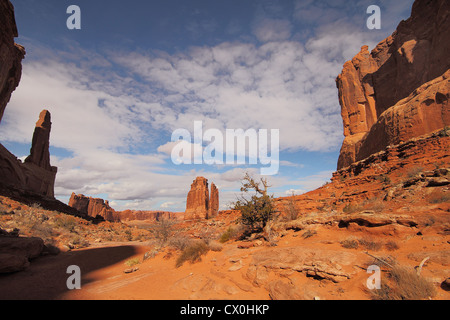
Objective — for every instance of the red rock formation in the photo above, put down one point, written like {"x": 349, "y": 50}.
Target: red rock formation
{"x": 213, "y": 201}
{"x": 372, "y": 85}
{"x": 199, "y": 205}
{"x": 11, "y": 54}
{"x": 132, "y": 215}
{"x": 36, "y": 175}
{"x": 93, "y": 207}
{"x": 40, "y": 152}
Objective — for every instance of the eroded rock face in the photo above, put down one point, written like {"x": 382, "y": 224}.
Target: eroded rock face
{"x": 132, "y": 215}
{"x": 214, "y": 201}
{"x": 93, "y": 207}
{"x": 11, "y": 54}
{"x": 36, "y": 175}
{"x": 199, "y": 204}
{"x": 407, "y": 70}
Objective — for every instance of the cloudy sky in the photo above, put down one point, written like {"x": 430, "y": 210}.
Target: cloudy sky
{"x": 138, "y": 70}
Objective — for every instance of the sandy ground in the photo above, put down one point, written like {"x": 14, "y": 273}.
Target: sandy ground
{"x": 219, "y": 276}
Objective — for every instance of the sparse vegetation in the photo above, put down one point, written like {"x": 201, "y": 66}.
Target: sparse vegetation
{"x": 350, "y": 244}
{"x": 439, "y": 196}
{"x": 384, "y": 178}
{"x": 290, "y": 209}
{"x": 162, "y": 231}
{"x": 192, "y": 253}
{"x": 257, "y": 211}
{"x": 403, "y": 283}
{"x": 62, "y": 230}
{"x": 132, "y": 262}
{"x": 309, "y": 234}
{"x": 413, "y": 172}
{"x": 370, "y": 244}
{"x": 229, "y": 234}
{"x": 391, "y": 245}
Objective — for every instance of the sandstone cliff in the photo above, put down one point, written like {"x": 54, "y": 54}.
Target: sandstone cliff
{"x": 36, "y": 175}
{"x": 11, "y": 54}
{"x": 139, "y": 215}
{"x": 400, "y": 90}
{"x": 199, "y": 204}
{"x": 93, "y": 207}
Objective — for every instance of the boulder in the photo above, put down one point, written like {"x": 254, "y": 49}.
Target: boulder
{"x": 12, "y": 263}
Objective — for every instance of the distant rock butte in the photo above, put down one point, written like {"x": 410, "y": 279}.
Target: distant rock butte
{"x": 400, "y": 90}
{"x": 139, "y": 215}
{"x": 94, "y": 207}
{"x": 199, "y": 204}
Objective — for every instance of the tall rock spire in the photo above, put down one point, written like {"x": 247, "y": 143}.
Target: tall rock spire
{"x": 40, "y": 147}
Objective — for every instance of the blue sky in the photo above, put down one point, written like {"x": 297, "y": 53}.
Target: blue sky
{"x": 138, "y": 70}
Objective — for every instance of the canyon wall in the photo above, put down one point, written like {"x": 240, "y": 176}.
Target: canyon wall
{"x": 400, "y": 90}
{"x": 35, "y": 175}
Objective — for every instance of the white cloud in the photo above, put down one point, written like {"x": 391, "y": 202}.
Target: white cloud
{"x": 116, "y": 124}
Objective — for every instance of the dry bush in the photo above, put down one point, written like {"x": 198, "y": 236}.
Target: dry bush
{"x": 350, "y": 244}
{"x": 309, "y": 233}
{"x": 370, "y": 244}
{"x": 391, "y": 245}
{"x": 215, "y": 246}
{"x": 232, "y": 233}
{"x": 439, "y": 196}
{"x": 179, "y": 241}
{"x": 290, "y": 210}
{"x": 404, "y": 284}
{"x": 192, "y": 253}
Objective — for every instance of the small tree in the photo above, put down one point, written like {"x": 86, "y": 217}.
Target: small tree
{"x": 257, "y": 211}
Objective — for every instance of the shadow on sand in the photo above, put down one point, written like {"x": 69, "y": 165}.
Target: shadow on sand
{"x": 46, "y": 277}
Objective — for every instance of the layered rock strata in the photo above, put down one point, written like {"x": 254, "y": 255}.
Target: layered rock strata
{"x": 400, "y": 89}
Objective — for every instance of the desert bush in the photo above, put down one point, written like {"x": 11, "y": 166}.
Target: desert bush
{"x": 215, "y": 246}
{"x": 350, "y": 244}
{"x": 413, "y": 172}
{"x": 383, "y": 178}
{"x": 163, "y": 230}
{"x": 404, "y": 284}
{"x": 370, "y": 244}
{"x": 132, "y": 262}
{"x": 179, "y": 241}
{"x": 290, "y": 209}
{"x": 309, "y": 234}
{"x": 439, "y": 196}
{"x": 192, "y": 253}
{"x": 391, "y": 245}
{"x": 65, "y": 222}
{"x": 351, "y": 208}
